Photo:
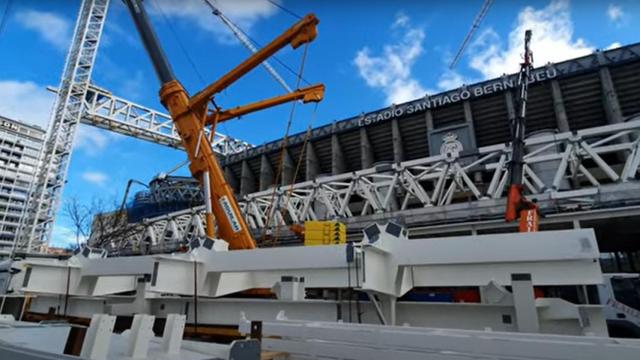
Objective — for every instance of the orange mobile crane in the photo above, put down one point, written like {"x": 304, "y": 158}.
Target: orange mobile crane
{"x": 192, "y": 113}
{"x": 518, "y": 206}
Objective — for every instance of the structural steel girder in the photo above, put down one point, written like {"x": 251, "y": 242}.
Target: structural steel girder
{"x": 104, "y": 110}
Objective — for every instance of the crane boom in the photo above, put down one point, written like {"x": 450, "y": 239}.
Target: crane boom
{"x": 474, "y": 27}
{"x": 190, "y": 113}
{"x": 517, "y": 204}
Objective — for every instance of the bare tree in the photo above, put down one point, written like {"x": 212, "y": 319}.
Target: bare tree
{"x": 80, "y": 216}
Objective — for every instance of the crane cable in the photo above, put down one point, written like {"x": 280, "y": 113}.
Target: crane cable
{"x": 5, "y": 15}
{"x": 239, "y": 34}
{"x": 285, "y": 140}
{"x": 284, "y": 9}
{"x": 298, "y": 165}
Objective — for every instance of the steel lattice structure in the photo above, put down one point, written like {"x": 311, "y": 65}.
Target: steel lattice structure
{"x": 596, "y": 164}
{"x": 104, "y": 110}
{"x": 36, "y": 225}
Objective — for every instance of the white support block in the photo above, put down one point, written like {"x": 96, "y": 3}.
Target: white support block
{"x": 173, "y": 331}
{"x": 96, "y": 341}
{"x": 141, "y": 334}
{"x": 525, "y": 303}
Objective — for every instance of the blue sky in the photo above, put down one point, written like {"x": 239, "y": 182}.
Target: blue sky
{"x": 369, "y": 54}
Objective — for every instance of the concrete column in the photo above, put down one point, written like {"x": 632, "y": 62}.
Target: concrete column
{"x": 338, "y": 161}
{"x": 366, "y": 153}
{"x": 288, "y": 168}
{"x": 247, "y": 180}
{"x": 230, "y": 177}
{"x": 558, "y": 107}
{"x": 398, "y": 149}
{"x": 525, "y": 303}
{"x": 428, "y": 118}
{"x": 312, "y": 162}
{"x": 468, "y": 119}
{"x": 508, "y": 99}
{"x": 611, "y": 103}
{"x": 266, "y": 173}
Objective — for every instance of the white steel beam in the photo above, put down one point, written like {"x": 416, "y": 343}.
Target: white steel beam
{"x": 104, "y": 110}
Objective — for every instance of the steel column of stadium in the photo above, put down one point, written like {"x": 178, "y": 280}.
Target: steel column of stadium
{"x": 247, "y": 180}
{"x": 508, "y": 100}
{"x": 312, "y": 164}
{"x": 288, "y": 168}
{"x": 366, "y": 152}
{"x": 428, "y": 118}
{"x": 468, "y": 118}
{"x": 558, "y": 107}
{"x": 266, "y": 173}
{"x": 396, "y": 137}
{"x": 231, "y": 178}
{"x": 338, "y": 161}
{"x": 611, "y": 103}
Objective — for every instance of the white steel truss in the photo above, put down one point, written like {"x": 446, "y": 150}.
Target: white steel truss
{"x": 104, "y": 110}
{"x": 573, "y": 167}
{"x": 567, "y": 165}
{"x": 36, "y": 224}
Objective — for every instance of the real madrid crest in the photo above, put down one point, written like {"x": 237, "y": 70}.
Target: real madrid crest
{"x": 451, "y": 147}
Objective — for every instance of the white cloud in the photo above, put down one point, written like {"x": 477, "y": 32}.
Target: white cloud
{"x": 615, "y": 13}
{"x": 51, "y": 27}
{"x": 25, "y": 101}
{"x": 243, "y": 13}
{"x": 552, "y": 41}
{"x": 95, "y": 177}
{"x": 64, "y": 236}
{"x": 92, "y": 140}
{"x": 613, "y": 45}
{"x": 391, "y": 71}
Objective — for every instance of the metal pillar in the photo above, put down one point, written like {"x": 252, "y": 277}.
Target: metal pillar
{"x": 36, "y": 225}
{"x": 247, "y": 180}
{"x": 231, "y": 178}
{"x": 366, "y": 152}
{"x": 468, "y": 119}
{"x": 312, "y": 163}
{"x": 288, "y": 168}
{"x": 266, "y": 173}
{"x": 610, "y": 97}
{"x": 558, "y": 106}
{"x": 398, "y": 149}
{"x": 508, "y": 100}
{"x": 338, "y": 162}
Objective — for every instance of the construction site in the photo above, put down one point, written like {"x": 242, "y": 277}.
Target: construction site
{"x": 491, "y": 220}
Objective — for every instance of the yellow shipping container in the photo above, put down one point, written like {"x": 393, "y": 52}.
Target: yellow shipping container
{"x": 324, "y": 233}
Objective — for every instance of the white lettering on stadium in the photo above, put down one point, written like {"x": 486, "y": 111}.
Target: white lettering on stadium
{"x": 461, "y": 94}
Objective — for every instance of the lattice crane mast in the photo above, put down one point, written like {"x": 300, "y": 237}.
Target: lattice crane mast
{"x": 517, "y": 204}
{"x": 191, "y": 114}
